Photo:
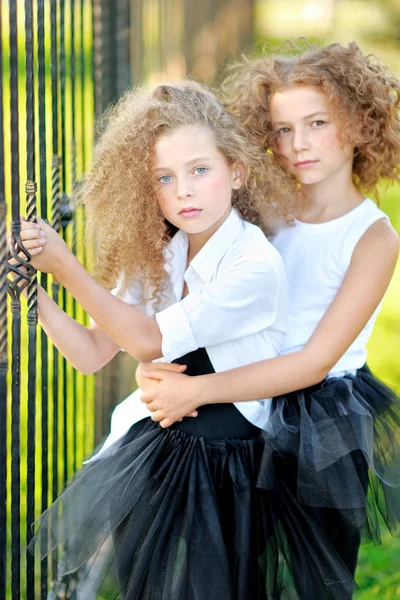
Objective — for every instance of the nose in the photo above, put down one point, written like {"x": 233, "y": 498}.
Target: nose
{"x": 300, "y": 140}
{"x": 184, "y": 188}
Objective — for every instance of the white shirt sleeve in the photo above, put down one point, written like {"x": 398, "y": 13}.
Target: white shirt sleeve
{"x": 242, "y": 302}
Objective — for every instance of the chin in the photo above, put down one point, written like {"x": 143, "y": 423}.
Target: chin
{"x": 192, "y": 230}
{"x": 309, "y": 179}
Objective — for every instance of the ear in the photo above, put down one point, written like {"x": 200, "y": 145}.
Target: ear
{"x": 237, "y": 170}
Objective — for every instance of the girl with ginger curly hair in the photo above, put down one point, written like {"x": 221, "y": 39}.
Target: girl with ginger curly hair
{"x": 330, "y": 117}
{"x": 181, "y": 504}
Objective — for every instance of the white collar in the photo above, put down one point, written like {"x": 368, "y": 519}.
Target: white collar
{"x": 206, "y": 260}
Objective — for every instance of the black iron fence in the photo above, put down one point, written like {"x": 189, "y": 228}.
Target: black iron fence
{"x": 61, "y": 63}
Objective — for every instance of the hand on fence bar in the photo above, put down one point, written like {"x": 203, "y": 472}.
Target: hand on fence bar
{"x": 46, "y": 258}
{"x": 30, "y": 243}
{"x": 21, "y": 247}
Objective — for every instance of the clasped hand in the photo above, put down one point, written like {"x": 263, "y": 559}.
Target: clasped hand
{"x": 173, "y": 398}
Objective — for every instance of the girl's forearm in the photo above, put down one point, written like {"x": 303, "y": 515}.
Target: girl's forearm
{"x": 264, "y": 379}
{"x": 132, "y": 330}
{"x": 87, "y": 350}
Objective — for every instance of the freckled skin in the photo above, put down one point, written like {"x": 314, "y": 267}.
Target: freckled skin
{"x": 307, "y": 131}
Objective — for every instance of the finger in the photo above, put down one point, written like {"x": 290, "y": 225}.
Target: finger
{"x": 166, "y": 423}
{"x": 153, "y": 406}
{"x": 32, "y": 234}
{"x": 157, "y": 415}
{"x": 29, "y": 225}
{"x": 37, "y": 243}
{"x": 194, "y": 413}
{"x": 173, "y": 367}
{"x": 35, "y": 251}
{"x": 22, "y": 255}
{"x": 150, "y": 367}
{"x": 155, "y": 374}
{"x": 148, "y": 396}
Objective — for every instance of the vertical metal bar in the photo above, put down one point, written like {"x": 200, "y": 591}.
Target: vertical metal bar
{"x": 82, "y": 84}
{"x": 97, "y": 55}
{"x": 16, "y": 315}
{"x": 122, "y": 37}
{"x": 97, "y": 69}
{"x": 44, "y": 280}
{"x": 30, "y": 189}
{"x": 64, "y": 204}
{"x": 84, "y": 400}
{"x": 3, "y": 347}
{"x": 74, "y": 232}
{"x": 56, "y": 222}
{"x": 3, "y": 379}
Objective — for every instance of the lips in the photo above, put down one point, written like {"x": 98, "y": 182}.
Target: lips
{"x": 190, "y": 212}
{"x": 303, "y": 164}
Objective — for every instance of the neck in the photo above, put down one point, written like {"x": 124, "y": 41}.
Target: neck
{"x": 198, "y": 240}
{"x": 196, "y": 243}
{"x": 330, "y": 198}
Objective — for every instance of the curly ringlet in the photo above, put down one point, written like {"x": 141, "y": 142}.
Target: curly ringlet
{"x": 122, "y": 211}
{"x": 364, "y": 94}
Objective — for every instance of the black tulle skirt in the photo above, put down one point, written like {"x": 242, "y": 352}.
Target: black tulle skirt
{"x": 190, "y": 513}
{"x": 168, "y": 514}
{"x": 332, "y": 464}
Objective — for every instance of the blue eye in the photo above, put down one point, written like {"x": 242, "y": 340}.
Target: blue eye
{"x": 165, "y": 179}
{"x": 200, "y": 170}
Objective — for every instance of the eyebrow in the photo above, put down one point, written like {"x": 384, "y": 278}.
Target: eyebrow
{"x": 319, "y": 112}
{"x": 189, "y": 162}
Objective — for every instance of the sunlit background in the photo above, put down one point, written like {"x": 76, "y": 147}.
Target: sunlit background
{"x": 154, "y": 40}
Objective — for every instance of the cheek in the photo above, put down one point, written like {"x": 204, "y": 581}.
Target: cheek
{"x": 163, "y": 203}
{"x": 283, "y": 147}
{"x": 217, "y": 184}
{"x": 330, "y": 143}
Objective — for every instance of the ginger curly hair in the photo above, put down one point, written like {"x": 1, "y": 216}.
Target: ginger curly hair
{"x": 123, "y": 215}
{"x": 360, "y": 88}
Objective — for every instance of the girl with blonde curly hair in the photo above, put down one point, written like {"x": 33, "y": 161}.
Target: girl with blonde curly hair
{"x": 179, "y": 200}
{"x": 330, "y": 117}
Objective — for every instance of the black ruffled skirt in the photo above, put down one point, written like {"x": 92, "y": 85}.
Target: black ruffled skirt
{"x": 332, "y": 464}
{"x": 210, "y": 509}
{"x": 169, "y": 514}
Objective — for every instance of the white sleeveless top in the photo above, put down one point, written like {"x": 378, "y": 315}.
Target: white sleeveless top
{"x": 316, "y": 257}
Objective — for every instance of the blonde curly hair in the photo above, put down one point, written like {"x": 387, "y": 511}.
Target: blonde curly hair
{"x": 119, "y": 192}
{"x": 360, "y": 87}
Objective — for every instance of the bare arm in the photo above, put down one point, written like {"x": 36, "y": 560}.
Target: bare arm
{"x": 87, "y": 349}
{"x": 363, "y": 288}
{"x": 130, "y": 329}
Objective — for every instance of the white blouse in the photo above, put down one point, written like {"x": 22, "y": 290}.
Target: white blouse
{"x": 236, "y": 308}
{"x": 317, "y": 257}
